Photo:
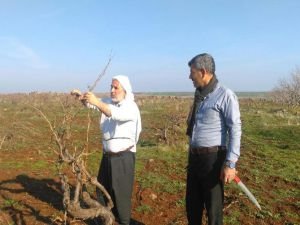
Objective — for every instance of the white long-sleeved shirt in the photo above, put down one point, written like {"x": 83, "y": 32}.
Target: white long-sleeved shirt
{"x": 122, "y": 129}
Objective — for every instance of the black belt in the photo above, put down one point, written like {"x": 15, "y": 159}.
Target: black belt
{"x": 118, "y": 153}
{"x": 205, "y": 150}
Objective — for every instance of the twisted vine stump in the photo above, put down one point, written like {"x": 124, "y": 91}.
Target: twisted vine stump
{"x": 82, "y": 206}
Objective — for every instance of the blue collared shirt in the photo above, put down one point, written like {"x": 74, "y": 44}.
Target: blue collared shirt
{"x": 218, "y": 123}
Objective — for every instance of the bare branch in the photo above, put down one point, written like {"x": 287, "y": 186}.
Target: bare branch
{"x": 83, "y": 178}
{"x": 2, "y": 141}
{"x": 77, "y": 163}
{"x": 91, "y": 88}
{"x": 57, "y": 139}
{"x": 288, "y": 90}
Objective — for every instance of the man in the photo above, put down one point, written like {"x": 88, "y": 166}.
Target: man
{"x": 121, "y": 125}
{"x": 214, "y": 130}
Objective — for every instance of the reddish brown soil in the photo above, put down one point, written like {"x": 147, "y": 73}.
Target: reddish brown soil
{"x": 29, "y": 197}
{"x": 34, "y": 197}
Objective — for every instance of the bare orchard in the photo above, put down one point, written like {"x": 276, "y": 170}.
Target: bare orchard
{"x": 50, "y": 149}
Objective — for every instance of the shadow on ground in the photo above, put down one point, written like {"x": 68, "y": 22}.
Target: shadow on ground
{"x": 17, "y": 194}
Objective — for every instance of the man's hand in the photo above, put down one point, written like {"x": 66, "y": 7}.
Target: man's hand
{"x": 76, "y": 93}
{"x": 91, "y": 98}
{"x": 228, "y": 174}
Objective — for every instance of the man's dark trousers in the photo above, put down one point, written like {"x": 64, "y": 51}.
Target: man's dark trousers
{"x": 204, "y": 188}
{"x": 116, "y": 174}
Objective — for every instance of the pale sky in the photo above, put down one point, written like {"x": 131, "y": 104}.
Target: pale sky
{"x": 61, "y": 45}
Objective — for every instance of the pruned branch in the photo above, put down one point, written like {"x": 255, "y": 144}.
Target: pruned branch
{"x": 91, "y": 88}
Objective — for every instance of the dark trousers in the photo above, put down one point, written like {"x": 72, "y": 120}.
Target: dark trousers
{"x": 116, "y": 174}
{"x": 204, "y": 188}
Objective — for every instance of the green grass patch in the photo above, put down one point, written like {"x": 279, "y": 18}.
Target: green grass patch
{"x": 161, "y": 169}
{"x": 11, "y": 203}
{"x": 161, "y": 183}
{"x": 143, "y": 208}
{"x": 12, "y": 165}
{"x": 28, "y": 165}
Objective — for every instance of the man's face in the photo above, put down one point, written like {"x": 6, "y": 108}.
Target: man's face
{"x": 196, "y": 75}
{"x": 117, "y": 93}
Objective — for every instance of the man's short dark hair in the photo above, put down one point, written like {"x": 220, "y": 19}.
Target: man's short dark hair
{"x": 203, "y": 61}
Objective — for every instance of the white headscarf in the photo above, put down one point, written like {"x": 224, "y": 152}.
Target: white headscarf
{"x": 124, "y": 81}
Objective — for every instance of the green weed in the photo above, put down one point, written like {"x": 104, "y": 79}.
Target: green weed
{"x": 11, "y": 203}
{"x": 143, "y": 208}
{"x": 180, "y": 203}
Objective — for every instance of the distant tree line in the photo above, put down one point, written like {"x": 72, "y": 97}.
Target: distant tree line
{"x": 287, "y": 91}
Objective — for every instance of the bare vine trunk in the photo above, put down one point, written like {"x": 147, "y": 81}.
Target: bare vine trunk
{"x": 82, "y": 206}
